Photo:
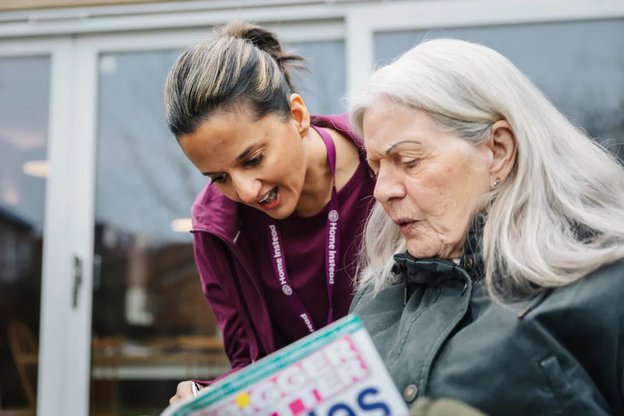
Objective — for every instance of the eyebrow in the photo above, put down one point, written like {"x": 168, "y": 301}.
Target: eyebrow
{"x": 240, "y": 157}
{"x": 402, "y": 142}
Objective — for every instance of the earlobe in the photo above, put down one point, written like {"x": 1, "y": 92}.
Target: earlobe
{"x": 299, "y": 114}
{"x": 502, "y": 144}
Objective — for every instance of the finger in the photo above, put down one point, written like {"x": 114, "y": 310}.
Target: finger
{"x": 184, "y": 387}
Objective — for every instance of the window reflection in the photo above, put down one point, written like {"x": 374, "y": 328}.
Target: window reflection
{"x": 323, "y": 87}
{"x": 24, "y": 97}
{"x": 147, "y": 298}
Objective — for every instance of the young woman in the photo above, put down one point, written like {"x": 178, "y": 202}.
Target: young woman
{"x": 278, "y": 227}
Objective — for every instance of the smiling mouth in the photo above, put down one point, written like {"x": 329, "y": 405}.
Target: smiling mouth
{"x": 268, "y": 197}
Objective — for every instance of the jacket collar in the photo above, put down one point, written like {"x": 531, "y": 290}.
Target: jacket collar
{"x": 213, "y": 212}
{"x": 472, "y": 258}
{"x": 434, "y": 271}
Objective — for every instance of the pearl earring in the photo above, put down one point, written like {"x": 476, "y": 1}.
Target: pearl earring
{"x": 497, "y": 182}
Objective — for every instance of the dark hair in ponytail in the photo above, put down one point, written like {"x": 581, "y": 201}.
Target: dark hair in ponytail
{"x": 244, "y": 65}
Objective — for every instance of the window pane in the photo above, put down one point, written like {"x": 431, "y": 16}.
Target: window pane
{"x": 24, "y": 98}
{"x": 147, "y": 293}
{"x": 578, "y": 65}
{"x": 148, "y": 306}
{"x": 323, "y": 87}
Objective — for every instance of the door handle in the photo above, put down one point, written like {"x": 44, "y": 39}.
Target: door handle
{"x": 77, "y": 280}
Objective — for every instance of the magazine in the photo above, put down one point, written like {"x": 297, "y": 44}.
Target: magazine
{"x": 334, "y": 371}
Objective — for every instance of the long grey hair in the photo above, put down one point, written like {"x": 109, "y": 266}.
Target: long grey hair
{"x": 557, "y": 217}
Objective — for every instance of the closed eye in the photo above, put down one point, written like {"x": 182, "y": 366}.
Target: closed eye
{"x": 254, "y": 161}
{"x": 218, "y": 178}
{"x": 409, "y": 162}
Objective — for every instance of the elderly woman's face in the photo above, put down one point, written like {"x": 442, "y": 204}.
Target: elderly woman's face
{"x": 428, "y": 180}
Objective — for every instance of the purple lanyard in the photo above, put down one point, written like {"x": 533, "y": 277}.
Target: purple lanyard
{"x": 332, "y": 248}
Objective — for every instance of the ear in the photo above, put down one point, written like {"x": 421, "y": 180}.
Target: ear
{"x": 502, "y": 144}
{"x": 299, "y": 114}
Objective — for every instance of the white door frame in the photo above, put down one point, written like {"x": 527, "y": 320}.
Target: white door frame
{"x": 62, "y": 326}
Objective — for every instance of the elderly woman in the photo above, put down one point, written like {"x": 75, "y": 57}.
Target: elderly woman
{"x": 508, "y": 222}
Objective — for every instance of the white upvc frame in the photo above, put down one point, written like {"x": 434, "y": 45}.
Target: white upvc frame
{"x": 363, "y": 22}
{"x": 63, "y": 340}
{"x": 172, "y": 17}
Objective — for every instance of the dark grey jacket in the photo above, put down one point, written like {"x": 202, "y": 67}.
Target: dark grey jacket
{"x": 441, "y": 335}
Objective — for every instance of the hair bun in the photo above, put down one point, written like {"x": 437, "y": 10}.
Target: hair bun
{"x": 266, "y": 41}
{"x": 260, "y": 37}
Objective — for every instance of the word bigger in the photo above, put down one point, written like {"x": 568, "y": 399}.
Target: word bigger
{"x": 300, "y": 387}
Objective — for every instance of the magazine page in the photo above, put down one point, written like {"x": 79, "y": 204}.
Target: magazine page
{"x": 333, "y": 371}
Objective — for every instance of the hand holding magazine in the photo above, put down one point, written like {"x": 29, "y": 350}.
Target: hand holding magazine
{"x": 334, "y": 371}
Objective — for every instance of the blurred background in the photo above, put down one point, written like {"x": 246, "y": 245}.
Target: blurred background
{"x": 101, "y": 309}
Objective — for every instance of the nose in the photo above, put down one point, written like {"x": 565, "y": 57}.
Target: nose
{"x": 247, "y": 188}
{"x": 389, "y": 185}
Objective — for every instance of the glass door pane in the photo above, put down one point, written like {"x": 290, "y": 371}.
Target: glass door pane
{"x": 323, "y": 87}
{"x": 24, "y": 98}
{"x": 151, "y": 325}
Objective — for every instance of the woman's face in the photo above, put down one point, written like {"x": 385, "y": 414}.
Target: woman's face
{"x": 260, "y": 163}
{"x": 428, "y": 180}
